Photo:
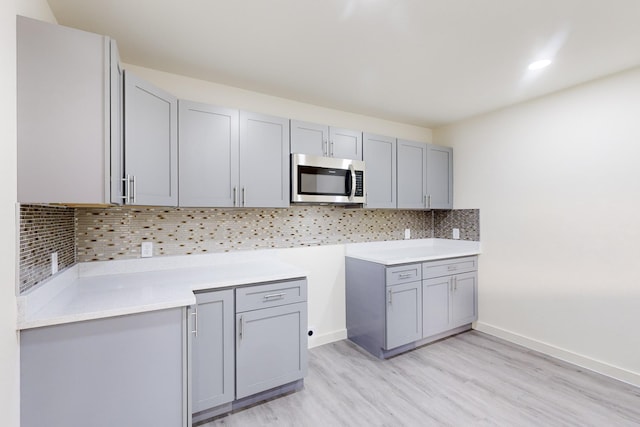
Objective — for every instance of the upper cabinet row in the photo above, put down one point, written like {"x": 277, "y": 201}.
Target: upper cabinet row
{"x": 91, "y": 133}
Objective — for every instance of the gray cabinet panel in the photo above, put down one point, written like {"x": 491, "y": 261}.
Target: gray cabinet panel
{"x": 213, "y": 351}
{"x": 345, "y": 144}
{"x": 208, "y": 146}
{"x": 116, "y": 76}
{"x": 436, "y": 305}
{"x": 309, "y": 138}
{"x": 271, "y": 348}
{"x": 120, "y": 371}
{"x": 151, "y": 142}
{"x": 404, "y": 314}
{"x": 440, "y": 177}
{"x": 379, "y": 154}
{"x": 464, "y": 299}
{"x": 63, "y": 113}
{"x": 264, "y": 160}
{"x": 412, "y": 175}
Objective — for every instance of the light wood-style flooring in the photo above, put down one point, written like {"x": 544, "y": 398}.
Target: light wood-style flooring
{"x": 471, "y": 379}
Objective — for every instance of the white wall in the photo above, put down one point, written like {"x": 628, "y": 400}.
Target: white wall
{"x": 557, "y": 181}
{"x": 9, "y": 359}
{"x": 228, "y": 96}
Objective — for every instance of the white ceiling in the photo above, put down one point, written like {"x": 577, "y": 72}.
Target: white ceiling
{"x": 423, "y": 62}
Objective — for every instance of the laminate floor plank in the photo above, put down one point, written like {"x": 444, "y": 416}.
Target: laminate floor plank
{"x": 471, "y": 379}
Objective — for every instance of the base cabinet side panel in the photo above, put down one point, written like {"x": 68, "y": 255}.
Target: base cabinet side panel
{"x": 119, "y": 371}
{"x": 271, "y": 348}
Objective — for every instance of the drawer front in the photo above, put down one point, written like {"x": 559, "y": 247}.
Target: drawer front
{"x": 448, "y": 267}
{"x": 403, "y": 274}
{"x": 270, "y": 295}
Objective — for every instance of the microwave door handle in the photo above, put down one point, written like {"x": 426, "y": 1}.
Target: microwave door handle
{"x": 351, "y": 179}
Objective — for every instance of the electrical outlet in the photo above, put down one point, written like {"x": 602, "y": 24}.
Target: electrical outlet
{"x": 147, "y": 250}
{"x": 456, "y": 233}
{"x": 407, "y": 233}
{"x": 54, "y": 263}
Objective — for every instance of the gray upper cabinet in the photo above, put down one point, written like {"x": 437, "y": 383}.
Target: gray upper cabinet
{"x": 64, "y": 114}
{"x": 264, "y": 160}
{"x": 321, "y": 140}
{"x": 412, "y": 175}
{"x": 209, "y": 159}
{"x": 439, "y": 177}
{"x": 379, "y": 154}
{"x": 212, "y": 356}
{"x": 150, "y": 144}
{"x": 120, "y": 371}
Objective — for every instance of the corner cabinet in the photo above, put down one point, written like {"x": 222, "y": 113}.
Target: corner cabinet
{"x": 150, "y": 174}
{"x": 68, "y": 114}
{"x": 379, "y": 154}
{"x": 231, "y": 158}
{"x": 392, "y": 309}
{"x": 322, "y": 140}
{"x": 425, "y": 176}
{"x": 119, "y": 371}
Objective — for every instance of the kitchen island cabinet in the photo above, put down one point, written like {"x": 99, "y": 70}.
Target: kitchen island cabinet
{"x": 119, "y": 371}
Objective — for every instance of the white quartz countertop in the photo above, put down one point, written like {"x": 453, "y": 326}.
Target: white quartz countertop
{"x": 408, "y": 251}
{"x": 113, "y": 288}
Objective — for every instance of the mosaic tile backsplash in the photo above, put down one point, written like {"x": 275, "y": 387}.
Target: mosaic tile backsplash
{"x": 100, "y": 234}
{"x": 44, "y": 230}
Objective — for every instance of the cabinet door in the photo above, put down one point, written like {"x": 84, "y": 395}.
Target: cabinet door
{"x": 440, "y": 177}
{"x": 212, "y": 357}
{"x": 63, "y": 108}
{"x": 379, "y": 153}
{"x": 345, "y": 144}
{"x": 116, "y": 75}
{"x": 271, "y": 348}
{"x": 151, "y": 143}
{"x": 120, "y": 371}
{"x": 404, "y": 314}
{"x": 412, "y": 174}
{"x": 264, "y": 160}
{"x": 309, "y": 138}
{"x": 208, "y": 147}
{"x": 436, "y": 294}
{"x": 464, "y": 299}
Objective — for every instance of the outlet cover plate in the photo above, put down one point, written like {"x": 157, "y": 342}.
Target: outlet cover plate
{"x": 147, "y": 250}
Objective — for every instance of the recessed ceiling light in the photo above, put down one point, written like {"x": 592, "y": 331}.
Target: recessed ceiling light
{"x": 539, "y": 64}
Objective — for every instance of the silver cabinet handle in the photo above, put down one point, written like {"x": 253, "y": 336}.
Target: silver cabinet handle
{"x": 404, "y": 275}
{"x": 275, "y": 296}
{"x": 243, "y": 196}
{"x": 241, "y": 328}
{"x": 452, "y": 267}
{"x": 455, "y": 283}
{"x": 325, "y": 148}
{"x": 331, "y": 148}
{"x": 195, "y": 321}
{"x": 429, "y": 203}
{"x": 235, "y": 196}
{"x": 390, "y": 297}
{"x": 425, "y": 200}
{"x": 127, "y": 189}
{"x": 133, "y": 180}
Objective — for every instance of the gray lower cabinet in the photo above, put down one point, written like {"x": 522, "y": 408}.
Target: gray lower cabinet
{"x": 379, "y": 154}
{"x": 391, "y": 309}
{"x": 150, "y": 144}
{"x": 212, "y": 351}
{"x": 121, "y": 371}
{"x": 271, "y": 336}
{"x": 67, "y": 102}
{"x": 322, "y": 140}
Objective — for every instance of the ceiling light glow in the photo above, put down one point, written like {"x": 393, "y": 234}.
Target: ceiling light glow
{"x": 537, "y": 65}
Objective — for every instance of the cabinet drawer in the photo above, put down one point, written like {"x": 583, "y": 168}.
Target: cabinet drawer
{"x": 447, "y": 267}
{"x": 270, "y": 295}
{"x": 403, "y": 274}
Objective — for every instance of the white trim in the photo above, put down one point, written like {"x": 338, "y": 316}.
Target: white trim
{"x": 586, "y": 362}
{"x": 329, "y": 337}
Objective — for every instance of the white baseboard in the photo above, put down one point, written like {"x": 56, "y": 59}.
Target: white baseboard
{"x": 559, "y": 353}
{"x": 318, "y": 340}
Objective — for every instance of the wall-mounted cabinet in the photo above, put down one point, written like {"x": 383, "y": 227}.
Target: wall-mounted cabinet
{"x": 231, "y": 158}
{"x": 379, "y": 154}
{"x": 150, "y": 144}
{"x": 425, "y": 176}
{"x": 69, "y": 106}
{"x": 321, "y": 140}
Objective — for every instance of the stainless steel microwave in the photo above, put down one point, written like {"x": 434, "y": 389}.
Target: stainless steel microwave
{"x": 316, "y": 179}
